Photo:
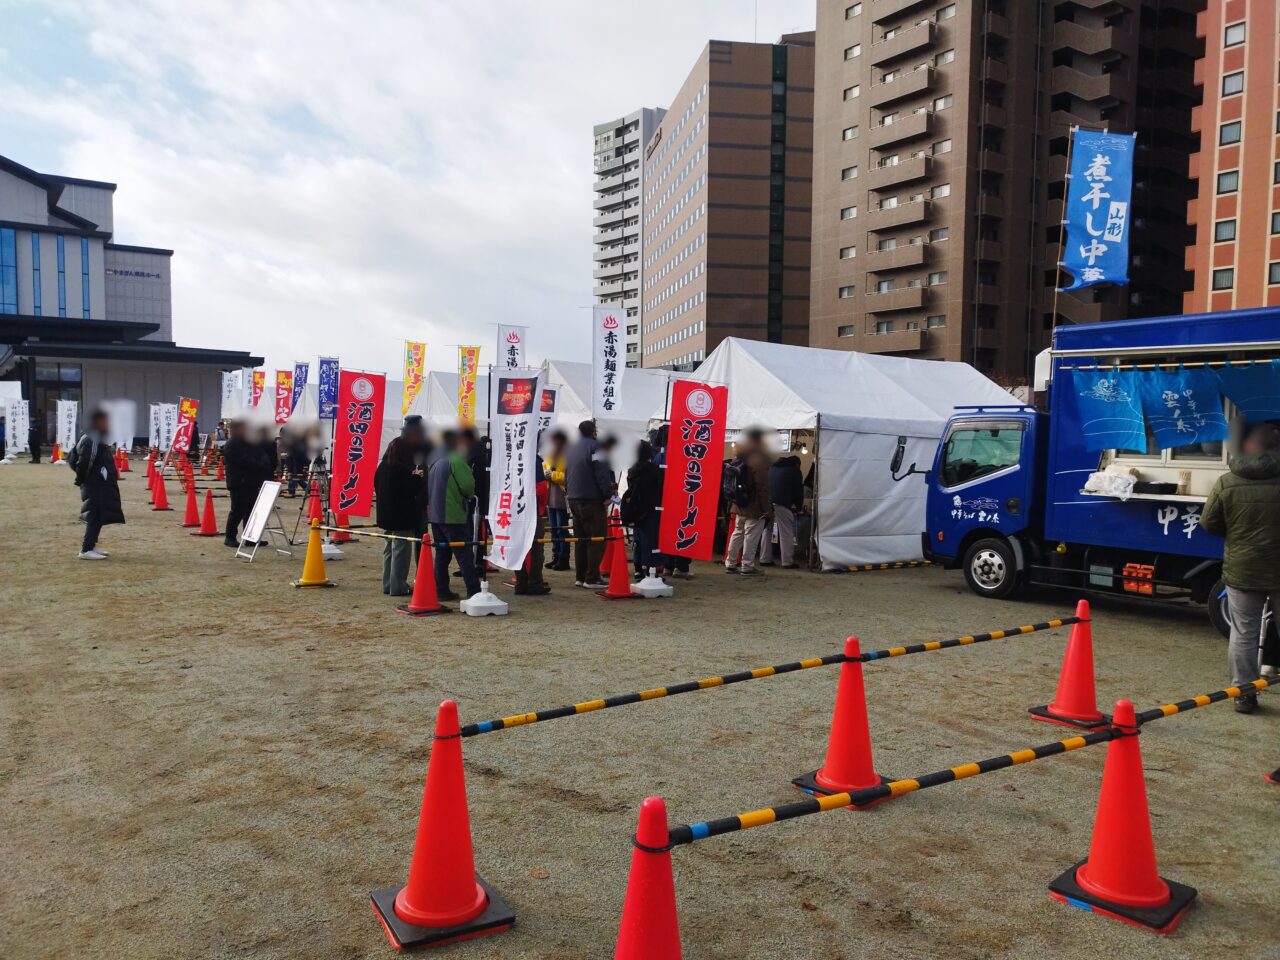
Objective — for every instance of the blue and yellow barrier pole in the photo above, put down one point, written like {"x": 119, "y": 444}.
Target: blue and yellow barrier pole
{"x": 640, "y": 696}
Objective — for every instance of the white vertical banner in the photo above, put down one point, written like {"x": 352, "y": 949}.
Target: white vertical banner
{"x": 153, "y": 426}
{"x": 65, "y": 432}
{"x": 511, "y": 340}
{"x": 607, "y": 361}
{"x": 122, "y": 421}
{"x": 17, "y": 426}
{"x": 165, "y": 419}
{"x": 233, "y": 402}
{"x": 513, "y": 493}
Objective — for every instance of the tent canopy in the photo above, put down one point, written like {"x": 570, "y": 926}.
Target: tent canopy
{"x": 643, "y": 392}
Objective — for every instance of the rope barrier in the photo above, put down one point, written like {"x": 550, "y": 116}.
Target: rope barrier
{"x": 688, "y": 833}
{"x": 455, "y": 543}
{"x": 640, "y": 696}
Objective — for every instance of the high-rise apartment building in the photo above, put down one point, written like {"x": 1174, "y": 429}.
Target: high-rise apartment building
{"x": 725, "y": 217}
{"x": 941, "y": 131}
{"x": 1236, "y": 216}
{"x": 618, "y": 241}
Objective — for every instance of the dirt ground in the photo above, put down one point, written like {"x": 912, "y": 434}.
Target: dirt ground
{"x": 198, "y": 761}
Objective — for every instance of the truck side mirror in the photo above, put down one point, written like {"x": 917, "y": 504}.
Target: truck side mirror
{"x": 896, "y": 463}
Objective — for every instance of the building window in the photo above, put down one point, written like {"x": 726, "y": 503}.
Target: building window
{"x": 939, "y": 233}
{"x": 848, "y": 253}
{"x": 851, "y": 93}
{"x": 887, "y": 243}
{"x": 62, "y": 275}
{"x": 937, "y": 320}
{"x": 1229, "y": 181}
{"x": 854, "y": 51}
{"x": 848, "y": 213}
{"x": 852, "y": 11}
{"x": 846, "y": 293}
{"x": 849, "y": 173}
{"x": 1275, "y": 176}
{"x": 1275, "y": 222}
{"x": 888, "y": 203}
{"x": 84, "y": 277}
{"x": 884, "y": 326}
{"x": 946, "y": 56}
{"x": 946, "y": 13}
{"x": 1234, "y": 35}
{"x": 1229, "y": 133}
{"x": 942, "y": 146}
{"x": 941, "y": 190}
{"x": 845, "y": 331}
{"x": 884, "y": 286}
{"x": 942, "y": 103}
{"x": 1224, "y": 279}
{"x": 1224, "y": 230}
{"x": 849, "y": 133}
{"x": 1233, "y": 83}
{"x": 35, "y": 274}
{"x": 8, "y": 270}
{"x": 937, "y": 277}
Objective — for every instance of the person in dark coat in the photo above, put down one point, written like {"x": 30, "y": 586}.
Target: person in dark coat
{"x": 248, "y": 463}
{"x": 400, "y": 484}
{"x": 478, "y": 459}
{"x": 786, "y": 490}
{"x": 640, "y": 506}
{"x": 93, "y": 461}
{"x": 589, "y": 488}
{"x": 34, "y": 437}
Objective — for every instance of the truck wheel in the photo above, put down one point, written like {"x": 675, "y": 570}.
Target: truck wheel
{"x": 1217, "y": 606}
{"x": 991, "y": 569}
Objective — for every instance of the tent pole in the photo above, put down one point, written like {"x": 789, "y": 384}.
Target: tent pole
{"x": 817, "y": 477}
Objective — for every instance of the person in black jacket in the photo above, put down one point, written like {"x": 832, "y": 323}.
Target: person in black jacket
{"x": 589, "y": 487}
{"x": 93, "y": 461}
{"x": 401, "y": 486}
{"x": 248, "y": 464}
{"x": 786, "y": 490}
{"x": 640, "y": 506}
{"x": 478, "y": 459}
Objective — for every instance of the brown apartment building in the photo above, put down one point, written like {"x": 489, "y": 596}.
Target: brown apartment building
{"x": 726, "y": 198}
{"x": 940, "y": 145}
{"x": 1236, "y": 255}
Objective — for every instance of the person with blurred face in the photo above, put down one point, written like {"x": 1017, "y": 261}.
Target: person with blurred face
{"x": 589, "y": 486}
{"x": 400, "y": 483}
{"x": 93, "y": 460}
{"x": 248, "y": 462}
{"x": 451, "y": 485}
{"x": 557, "y": 502}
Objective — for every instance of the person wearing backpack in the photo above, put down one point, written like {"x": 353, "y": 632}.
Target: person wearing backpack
{"x": 746, "y": 486}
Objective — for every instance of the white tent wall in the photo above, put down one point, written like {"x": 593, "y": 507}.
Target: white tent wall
{"x": 643, "y": 392}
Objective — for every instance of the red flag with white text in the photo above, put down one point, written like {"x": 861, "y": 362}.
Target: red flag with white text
{"x": 357, "y": 439}
{"x": 187, "y": 409}
{"x": 695, "y": 460}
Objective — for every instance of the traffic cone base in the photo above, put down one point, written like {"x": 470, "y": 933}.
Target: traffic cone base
{"x": 1075, "y": 703}
{"x": 408, "y": 611}
{"x": 1162, "y": 919}
{"x": 1046, "y": 714}
{"x": 810, "y": 784}
{"x": 495, "y": 918}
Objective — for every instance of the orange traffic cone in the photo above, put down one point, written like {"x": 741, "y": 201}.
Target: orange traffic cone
{"x": 189, "y": 476}
{"x": 340, "y": 535}
{"x": 57, "y": 454}
{"x": 619, "y": 571}
{"x": 313, "y": 563}
{"x": 848, "y": 766}
{"x": 315, "y": 510}
{"x": 650, "y": 929}
{"x": 444, "y": 901}
{"x": 424, "y": 602}
{"x": 204, "y": 466}
{"x": 1119, "y": 879}
{"x": 192, "y": 517}
{"x": 1075, "y": 704}
{"x": 606, "y": 562}
{"x": 222, "y": 473}
{"x": 124, "y": 462}
{"x": 160, "y": 499}
{"x": 208, "y": 522}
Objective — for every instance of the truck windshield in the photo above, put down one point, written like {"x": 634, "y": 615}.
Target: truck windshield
{"x": 975, "y": 451}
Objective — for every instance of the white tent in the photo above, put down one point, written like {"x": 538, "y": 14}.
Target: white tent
{"x": 858, "y": 405}
{"x": 437, "y": 401}
{"x": 643, "y": 391}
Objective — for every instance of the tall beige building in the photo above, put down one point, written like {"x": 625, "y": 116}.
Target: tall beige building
{"x": 725, "y": 213}
{"x": 941, "y": 130}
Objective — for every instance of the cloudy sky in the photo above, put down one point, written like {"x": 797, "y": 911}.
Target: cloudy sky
{"x": 338, "y": 177}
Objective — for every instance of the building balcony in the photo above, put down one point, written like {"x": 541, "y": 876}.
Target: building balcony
{"x": 906, "y": 40}
{"x": 610, "y": 289}
{"x": 996, "y": 24}
{"x": 904, "y": 171}
{"x": 988, "y": 293}
{"x": 1093, "y": 41}
{"x": 990, "y": 160}
{"x": 883, "y": 10}
{"x": 612, "y": 218}
{"x": 901, "y": 130}
{"x": 991, "y": 206}
{"x": 608, "y": 236}
{"x": 901, "y": 298}
{"x": 1086, "y": 86}
{"x": 896, "y": 341}
{"x": 917, "y": 211}
{"x": 615, "y": 199}
{"x": 899, "y": 258}
{"x": 995, "y": 71}
{"x": 988, "y": 250}
{"x": 909, "y": 84}
{"x": 603, "y": 184}
{"x": 608, "y": 164}
{"x": 613, "y": 270}
{"x": 993, "y": 116}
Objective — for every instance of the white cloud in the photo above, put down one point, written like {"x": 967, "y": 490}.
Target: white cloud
{"x": 337, "y": 177}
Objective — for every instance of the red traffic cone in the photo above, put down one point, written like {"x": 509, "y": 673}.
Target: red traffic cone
{"x": 848, "y": 766}
{"x": 151, "y": 464}
{"x": 1075, "y": 703}
{"x": 424, "y": 602}
{"x": 151, "y": 486}
{"x": 208, "y": 522}
{"x": 124, "y": 462}
{"x": 606, "y": 562}
{"x": 222, "y": 473}
{"x": 1119, "y": 879}
{"x": 192, "y": 517}
{"x": 57, "y": 453}
{"x": 444, "y": 901}
{"x": 315, "y": 510}
{"x": 160, "y": 500}
{"x": 204, "y": 466}
{"x": 650, "y": 929}
{"x": 619, "y": 571}
{"x": 340, "y": 535}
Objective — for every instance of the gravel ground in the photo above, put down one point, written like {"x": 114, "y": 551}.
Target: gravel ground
{"x": 197, "y": 761}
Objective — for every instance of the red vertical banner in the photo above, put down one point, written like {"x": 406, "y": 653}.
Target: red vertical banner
{"x": 695, "y": 459}
{"x": 187, "y": 409}
{"x": 259, "y": 381}
{"x": 357, "y": 437}
{"x": 284, "y": 395}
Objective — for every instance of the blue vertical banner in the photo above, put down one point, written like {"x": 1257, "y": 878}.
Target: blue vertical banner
{"x": 300, "y": 372}
{"x": 1096, "y": 216}
{"x": 328, "y": 388}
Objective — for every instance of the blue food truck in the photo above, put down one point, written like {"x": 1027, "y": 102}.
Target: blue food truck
{"x": 1103, "y": 491}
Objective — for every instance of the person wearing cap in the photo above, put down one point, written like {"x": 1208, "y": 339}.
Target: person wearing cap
{"x": 93, "y": 460}
{"x": 400, "y": 484}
